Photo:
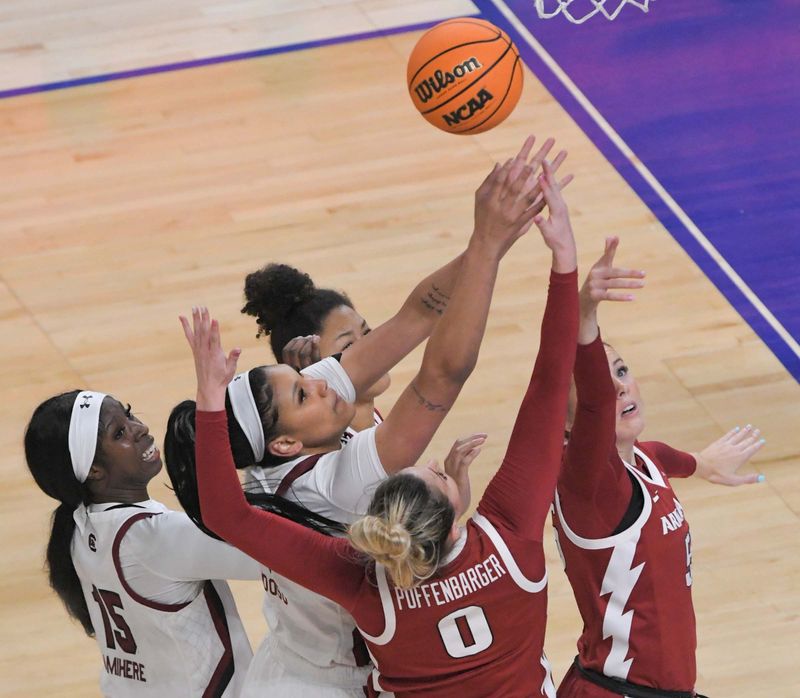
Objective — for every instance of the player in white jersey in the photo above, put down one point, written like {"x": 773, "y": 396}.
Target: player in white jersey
{"x": 306, "y": 323}
{"x": 338, "y": 482}
{"x": 135, "y": 574}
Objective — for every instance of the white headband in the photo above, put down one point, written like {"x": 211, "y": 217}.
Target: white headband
{"x": 246, "y": 413}
{"x": 83, "y": 427}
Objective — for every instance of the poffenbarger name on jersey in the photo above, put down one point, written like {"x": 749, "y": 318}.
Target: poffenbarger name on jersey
{"x": 442, "y": 591}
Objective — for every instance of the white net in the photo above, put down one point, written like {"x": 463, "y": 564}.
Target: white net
{"x": 578, "y": 11}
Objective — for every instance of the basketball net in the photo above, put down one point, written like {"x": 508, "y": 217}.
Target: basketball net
{"x": 578, "y": 11}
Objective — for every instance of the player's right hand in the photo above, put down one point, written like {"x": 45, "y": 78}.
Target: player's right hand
{"x": 301, "y": 352}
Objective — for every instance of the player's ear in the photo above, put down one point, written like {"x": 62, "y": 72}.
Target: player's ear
{"x": 96, "y": 473}
{"x": 285, "y": 446}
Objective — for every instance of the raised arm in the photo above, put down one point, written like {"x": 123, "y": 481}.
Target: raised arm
{"x": 370, "y": 358}
{"x": 324, "y": 565}
{"x": 521, "y": 491}
{"x": 502, "y": 215}
{"x": 593, "y": 478}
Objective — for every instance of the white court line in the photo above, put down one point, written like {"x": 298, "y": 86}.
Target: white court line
{"x": 649, "y": 178}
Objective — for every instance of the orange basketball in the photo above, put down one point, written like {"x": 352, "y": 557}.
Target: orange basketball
{"x": 464, "y": 75}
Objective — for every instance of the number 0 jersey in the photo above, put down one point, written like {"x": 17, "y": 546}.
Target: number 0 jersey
{"x": 482, "y": 617}
{"x": 189, "y": 649}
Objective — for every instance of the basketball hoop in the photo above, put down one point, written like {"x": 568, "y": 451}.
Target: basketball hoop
{"x": 578, "y": 11}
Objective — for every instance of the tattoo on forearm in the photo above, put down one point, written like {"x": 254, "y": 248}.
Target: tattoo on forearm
{"x": 435, "y": 299}
{"x": 427, "y": 404}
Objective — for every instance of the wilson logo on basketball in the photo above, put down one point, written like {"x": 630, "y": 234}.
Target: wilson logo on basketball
{"x": 440, "y": 79}
{"x": 467, "y": 111}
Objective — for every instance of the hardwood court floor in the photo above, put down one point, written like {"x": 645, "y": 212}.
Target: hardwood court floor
{"x": 123, "y": 204}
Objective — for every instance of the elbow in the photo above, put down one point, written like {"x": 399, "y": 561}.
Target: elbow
{"x": 458, "y": 373}
{"x": 446, "y": 377}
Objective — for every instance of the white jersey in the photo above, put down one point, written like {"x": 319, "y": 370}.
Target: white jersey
{"x": 162, "y": 629}
{"x": 338, "y": 485}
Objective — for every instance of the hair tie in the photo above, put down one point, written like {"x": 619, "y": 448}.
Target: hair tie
{"x": 246, "y": 413}
{"x": 83, "y": 426}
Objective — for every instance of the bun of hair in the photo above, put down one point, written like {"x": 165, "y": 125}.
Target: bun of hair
{"x": 273, "y": 292}
{"x": 391, "y": 545}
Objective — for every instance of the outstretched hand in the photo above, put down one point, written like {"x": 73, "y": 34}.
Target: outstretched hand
{"x": 603, "y": 277}
{"x": 457, "y": 463}
{"x": 720, "y": 461}
{"x": 556, "y": 229}
{"x": 214, "y": 369}
{"x": 510, "y": 197}
{"x": 602, "y": 283}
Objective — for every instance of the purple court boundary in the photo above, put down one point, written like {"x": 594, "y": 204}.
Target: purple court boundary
{"x": 709, "y": 266}
{"x": 214, "y": 60}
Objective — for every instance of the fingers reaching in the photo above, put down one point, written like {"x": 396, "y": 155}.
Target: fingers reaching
{"x": 720, "y": 461}
{"x": 213, "y": 367}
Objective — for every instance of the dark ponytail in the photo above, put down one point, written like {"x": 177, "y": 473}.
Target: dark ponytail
{"x": 47, "y": 455}
{"x": 179, "y": 457}
{"x": 286, "y": 304}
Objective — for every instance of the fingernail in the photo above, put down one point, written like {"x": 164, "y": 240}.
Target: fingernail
{"x": 761, "y": 478}
{"x": 762, "y": 441}
{"x": 737, "y": 429}
{"x": 748, "y": 427}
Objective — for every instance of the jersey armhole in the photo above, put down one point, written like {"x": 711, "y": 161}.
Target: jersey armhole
{"x": 635, "y": 506}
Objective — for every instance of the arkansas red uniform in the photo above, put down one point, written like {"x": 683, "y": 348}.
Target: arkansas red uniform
{"x": 477, "y": 627}
{"x": 626, "y": 547}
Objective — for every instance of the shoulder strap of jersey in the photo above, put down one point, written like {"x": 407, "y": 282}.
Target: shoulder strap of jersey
{"x": 298, "y": 470}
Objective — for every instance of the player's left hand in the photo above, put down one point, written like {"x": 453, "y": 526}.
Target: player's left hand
{"x": 719, "y": 461}
{"x": 457, "y": 463}
{"x": 213, "y": 368}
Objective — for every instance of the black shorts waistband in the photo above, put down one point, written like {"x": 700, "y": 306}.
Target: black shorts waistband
{"x": 626, "y": 688}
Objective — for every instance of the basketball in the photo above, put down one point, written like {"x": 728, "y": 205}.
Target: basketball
{"x": 464, "y": 75}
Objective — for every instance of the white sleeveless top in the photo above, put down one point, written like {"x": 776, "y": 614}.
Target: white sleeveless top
{"x": 338, "y": 485}
{"x": 192, "y": 647}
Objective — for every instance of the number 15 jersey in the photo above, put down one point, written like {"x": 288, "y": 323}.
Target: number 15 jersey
{"x": 192, "y": 648}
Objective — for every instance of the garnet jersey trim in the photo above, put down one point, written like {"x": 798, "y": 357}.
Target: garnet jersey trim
{"x": 610, "y": 541}
{"x": 511, "y": 564}
{"x": 223, "y": 673}
{"x": 167, "y": 608}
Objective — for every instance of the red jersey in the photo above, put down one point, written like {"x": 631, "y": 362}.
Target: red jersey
{"x": 480, "y": 621}
{"x": 625, "y": 543}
